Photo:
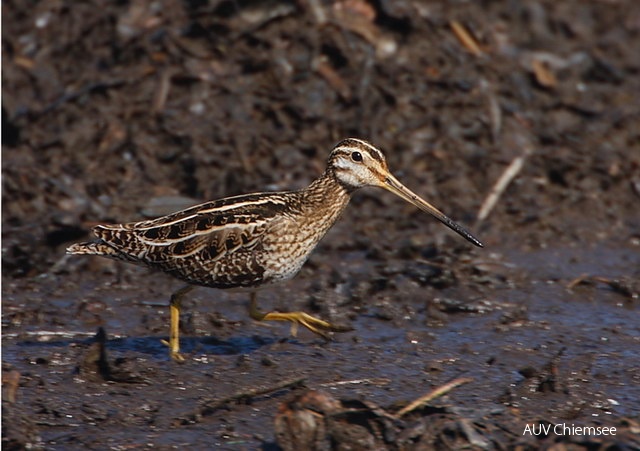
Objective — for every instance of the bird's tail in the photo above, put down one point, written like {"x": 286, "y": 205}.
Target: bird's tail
{"x": 100, "y": 247}
{"x": 92, "y": 248}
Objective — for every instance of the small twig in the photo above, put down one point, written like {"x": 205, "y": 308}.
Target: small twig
{"x": 495, "y": 112}
{"x": 577, "y": 281}
{"x": 48, "y": 335}
{"x": 504, "y": 180}
{"x": 543, "y": 74}
{"x": 465, "y": 38}
{"x": 432, "y": 263}
{"x": 162, "y": 92}
{"x": 254, "y": 392}
{"x": 475, "y": 439}
{"x": 211, "y": 405}
{"x": 433, "y": 394}
{"x": 618, "y": 286}
{"x": 378, "y": 382}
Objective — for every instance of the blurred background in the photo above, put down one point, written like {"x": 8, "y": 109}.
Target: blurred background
{"x": 518, "y": 119}
{"x": 106, "y": 106}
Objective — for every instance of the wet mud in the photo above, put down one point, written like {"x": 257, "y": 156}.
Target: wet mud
{"x": 517, "y": 119}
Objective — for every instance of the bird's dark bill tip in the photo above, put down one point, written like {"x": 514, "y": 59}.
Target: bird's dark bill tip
{"x": 463, "y": 232}
{"x": 477, "y": 242}
{"x": 471, "y": 238}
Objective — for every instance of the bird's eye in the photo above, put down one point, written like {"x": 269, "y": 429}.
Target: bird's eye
{"x": 356, "y": 156}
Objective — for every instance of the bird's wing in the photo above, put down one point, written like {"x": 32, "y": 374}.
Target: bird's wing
{"x": 214, "y": 228}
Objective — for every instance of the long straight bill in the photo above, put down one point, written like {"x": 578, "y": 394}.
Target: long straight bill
{"x": 393, "y": 184}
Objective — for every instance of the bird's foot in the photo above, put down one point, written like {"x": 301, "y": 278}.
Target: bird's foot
{"x": 174, "y": 350}
{"x": 315, "y": 325}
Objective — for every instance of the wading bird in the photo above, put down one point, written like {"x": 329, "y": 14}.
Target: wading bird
{"x": 256, "y": 239}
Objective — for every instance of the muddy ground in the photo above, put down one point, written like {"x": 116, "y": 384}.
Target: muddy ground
{"x": 117, "y": 111}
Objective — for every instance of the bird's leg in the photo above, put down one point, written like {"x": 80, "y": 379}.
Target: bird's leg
{"x": 312, "y": 323}
{"x": 174, "y": 331}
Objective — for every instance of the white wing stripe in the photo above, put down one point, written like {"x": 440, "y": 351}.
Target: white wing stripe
{"x": 170, "y": 241}
{"x": 152, "y": 225}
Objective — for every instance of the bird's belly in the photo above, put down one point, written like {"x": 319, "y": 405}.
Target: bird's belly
{"x": 246, "y": 269}
{"x": 284, "y": 258}
{"x": 279, "y": 268}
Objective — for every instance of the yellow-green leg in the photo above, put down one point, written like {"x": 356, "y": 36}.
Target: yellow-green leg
{"x": 174, "y": 330}
{"x": 315, "y": 325}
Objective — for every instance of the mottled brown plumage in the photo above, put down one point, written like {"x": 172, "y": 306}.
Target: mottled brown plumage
{"x": 252, "y": 240}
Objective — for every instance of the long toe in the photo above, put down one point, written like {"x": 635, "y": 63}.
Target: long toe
{"x": 174, "y": 351}
{"x": 318, "y": 326}
{"x": 176, "y": 357}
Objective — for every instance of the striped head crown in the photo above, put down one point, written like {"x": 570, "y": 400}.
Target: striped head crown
{"x": 356, "y": 163}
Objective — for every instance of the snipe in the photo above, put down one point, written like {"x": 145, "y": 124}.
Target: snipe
{"x": 255, "y": 239}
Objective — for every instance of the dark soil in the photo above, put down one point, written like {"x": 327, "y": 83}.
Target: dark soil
{"x": 118, "y": 111}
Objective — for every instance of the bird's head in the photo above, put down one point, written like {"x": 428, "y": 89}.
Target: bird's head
{"x": 357, "y": 164}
